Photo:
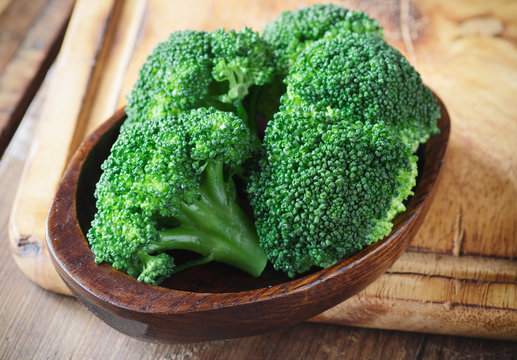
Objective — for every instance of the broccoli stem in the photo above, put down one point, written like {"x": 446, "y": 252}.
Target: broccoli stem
{"x": 243, "y": 114}
{"x": 252, "y": 112}
{"x": 250, "y": 118}
{"x": 215, "y": 227}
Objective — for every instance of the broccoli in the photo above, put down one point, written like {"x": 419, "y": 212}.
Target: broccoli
{"x": 337, "y": 161}
{"x": 195, "y": 69}
{"x": 326, "y": 187}
{"x": 365, "y": 79}
{"x": 294, "y": 31}
{"x": 167, "y": 185}
{"x": 336, "y": 164}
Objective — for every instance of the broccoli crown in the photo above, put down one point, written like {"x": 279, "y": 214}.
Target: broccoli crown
{"x": 365, "y": 79}
{"x": 294, "y": 31}
{"x": 174, "y": 170}
{"x": 326, "y": 187}
{"x": 174, "y": 78}
{"x": 199, "y": 69}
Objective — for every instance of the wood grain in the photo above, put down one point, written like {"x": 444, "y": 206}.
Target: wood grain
{"x": 28, "y": 47}
{"x": 462, "y": 58}
{"x": 59, "y": 127}
{"x": 13, "y": 32}
{"x": 465, "y": 51}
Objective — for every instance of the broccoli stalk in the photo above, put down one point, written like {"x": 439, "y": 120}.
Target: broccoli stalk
{"x": 238, "y": 80}
{"x": 213, "y": 226}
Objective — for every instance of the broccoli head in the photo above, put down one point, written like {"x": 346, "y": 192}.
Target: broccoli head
{"x": 200, "y": 69}
{"x": 365, "y": 79}
{"x": 166, "y": 80}
{"x": 167, "y": 185}
{"x": 294, "y": 31}
{"x": 326, "y": 187}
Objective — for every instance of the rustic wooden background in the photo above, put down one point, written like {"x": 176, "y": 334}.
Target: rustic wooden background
{"x": 458, "y": 277}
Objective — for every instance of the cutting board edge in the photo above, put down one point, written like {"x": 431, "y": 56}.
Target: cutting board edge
{"x": 421, "y": 316}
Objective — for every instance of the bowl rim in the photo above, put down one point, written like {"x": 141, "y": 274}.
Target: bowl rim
{"x": 123, "y": 289}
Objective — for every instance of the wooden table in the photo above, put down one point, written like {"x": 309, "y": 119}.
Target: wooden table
{"x": 465, "y": 51}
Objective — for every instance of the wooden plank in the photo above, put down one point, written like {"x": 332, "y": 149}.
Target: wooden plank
{"x": 12, "y": 32}
{"x": 467, "y": 54}
{"x": 115, "y": 61}
{"x": 440, "y": 294}
{"x": 96, "y": 73}
{"x": 28, "y": 47}
{"x": 4, "y": 4}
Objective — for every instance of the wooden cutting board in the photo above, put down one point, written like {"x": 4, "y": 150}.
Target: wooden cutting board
{"x": 459, "y": 276}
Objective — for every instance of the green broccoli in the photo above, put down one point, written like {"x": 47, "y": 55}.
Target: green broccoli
{"x": 336, "y": 164}
{"x": 167, "y": 185}
{"x": 337, "y": 161}
{"x": 200, "y": 69}
{"x": 326, "y": 187}
{"x": 294, "y": 31}
{"x": 365, "y": 79}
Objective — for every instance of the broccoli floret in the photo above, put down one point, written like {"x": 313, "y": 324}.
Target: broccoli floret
{"x": 167, "y": 185}
{"x": 337, "y": 161}
{"x": 174, "y": 78}
{"x": 200, "y": 69}
{"x": 243, "y": 59}
{"x": 326, "y": 187}
{"x": 364, "y": 79}
{"x": 294, "y": 31}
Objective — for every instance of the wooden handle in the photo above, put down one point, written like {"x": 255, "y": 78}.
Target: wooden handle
{"x": 81, "y": 95}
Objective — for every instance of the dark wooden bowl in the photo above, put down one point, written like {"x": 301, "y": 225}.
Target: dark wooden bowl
{"x": 213, "y": 301}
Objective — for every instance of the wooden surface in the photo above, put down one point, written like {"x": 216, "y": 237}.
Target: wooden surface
{"x": 460, "y": 268}
{"x": 31, "y": 32}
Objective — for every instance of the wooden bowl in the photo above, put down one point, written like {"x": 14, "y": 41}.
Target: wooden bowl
{"x": 213, "y": 301}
